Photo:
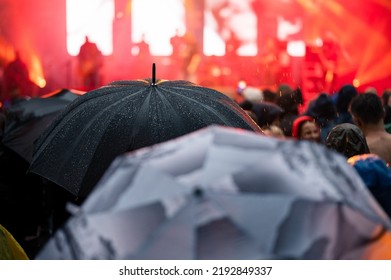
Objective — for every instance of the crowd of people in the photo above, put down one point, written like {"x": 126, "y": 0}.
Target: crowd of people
{"x": 354, "y": 124}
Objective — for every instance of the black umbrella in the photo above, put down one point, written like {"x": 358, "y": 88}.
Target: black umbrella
{"x": 65, "y": 94}
{"x": 221, "y": 193}
{"x": 123, "y": 116}
{"x": 27, "y": 119}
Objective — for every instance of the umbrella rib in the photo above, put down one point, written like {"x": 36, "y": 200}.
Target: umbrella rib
{"x": 86, "y": 127}
{"x": 90, "y": 123}
{"x": 167, "y": 101}
{"x": 142, "y": 108}
{"x": 156, "y": 233}
{"x": 210, "y": 109}
{"x": 55, "y": 128}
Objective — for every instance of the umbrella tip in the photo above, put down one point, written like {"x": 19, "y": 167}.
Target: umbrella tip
{"x": 198, "y": 192}
{"x": 153, "y": 74}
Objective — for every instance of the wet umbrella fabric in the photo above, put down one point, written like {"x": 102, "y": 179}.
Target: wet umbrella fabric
{"x": 65, "y": 94}
{"x": 221, "y": 193}
{"x": 123, "y": 116}
{"x": 27, "y": 119}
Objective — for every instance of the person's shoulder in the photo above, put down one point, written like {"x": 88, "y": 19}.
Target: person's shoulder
{"x": 383, "y": 151}
{"x": 379, "y": 138}
{"x": 380, "y": 142}
{"x": 385, "y": 136}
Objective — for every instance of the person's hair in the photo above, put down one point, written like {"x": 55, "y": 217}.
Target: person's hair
{"x": 274, "y": 130}
{"x": 347, "y": 139}
{"x": 322, "y": 108}
{"x": 288, "y": 103}
{"x": 368, "y": 107}
{"x": 345, "y": 95}
{"x": 385, "y": 96}
{"x": 387, "y": 108}
{"x": 269, "y": 95}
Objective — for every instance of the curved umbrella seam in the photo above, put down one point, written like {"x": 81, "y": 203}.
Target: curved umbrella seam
{"x": 91, "y": 122}
{"x": 155, "y": 234}
{"x": 207, "y": 107}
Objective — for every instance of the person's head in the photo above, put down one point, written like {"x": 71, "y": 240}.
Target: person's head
{"x": 252, "y": 94}
{"x": 322, "y": 108}
{"x": 367, "y": 109}
{"x": 269, "y": 95}
{"x": 347, "y": 139}
{"x": 370, "y": 89}
{"x": 274, "y": 131}
{"x": 287, "y": 101}
{"x": 386, "y": 97}
{"x": 344, "y": 97}
{"x": 246, "y": 105}
{"x": 306, "y": 128}
{"x": 267, "y": 113}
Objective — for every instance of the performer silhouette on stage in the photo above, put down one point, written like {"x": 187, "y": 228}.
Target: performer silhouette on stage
{"x": 90, "y": 61}
{"x": 186, "y": 56}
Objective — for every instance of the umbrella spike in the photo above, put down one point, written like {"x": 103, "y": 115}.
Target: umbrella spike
{"x": 153, "y": 74}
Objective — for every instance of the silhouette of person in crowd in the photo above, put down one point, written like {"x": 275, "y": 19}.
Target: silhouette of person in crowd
{"x": 17, "y": 83}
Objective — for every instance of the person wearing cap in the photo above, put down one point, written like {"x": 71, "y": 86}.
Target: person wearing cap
{"x": 322, "y": 109}
{"x": 306, "y": 128}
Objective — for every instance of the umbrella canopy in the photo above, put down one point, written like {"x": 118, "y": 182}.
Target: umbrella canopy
{"x": 221, "y": 193}
{"x": 266, "y": 112}
{"x": 27, "y": 119}
{"x": 64, "y": 94}
{"x": 123, "y": 116}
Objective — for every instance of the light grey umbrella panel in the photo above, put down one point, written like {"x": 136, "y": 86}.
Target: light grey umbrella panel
{"x": 223, "y": 193}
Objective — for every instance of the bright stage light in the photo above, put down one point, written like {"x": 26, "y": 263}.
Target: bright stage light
{"x": 157, "y": 21}
{"x": 356, "y": 83}
{"x": 296, "y": 48}
{"x": 89, "y": 18}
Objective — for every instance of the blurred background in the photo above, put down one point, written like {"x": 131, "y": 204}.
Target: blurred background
{"x": 315, "y": 45}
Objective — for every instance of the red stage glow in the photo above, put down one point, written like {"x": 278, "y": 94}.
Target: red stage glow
{"x": 48, "y": 35}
